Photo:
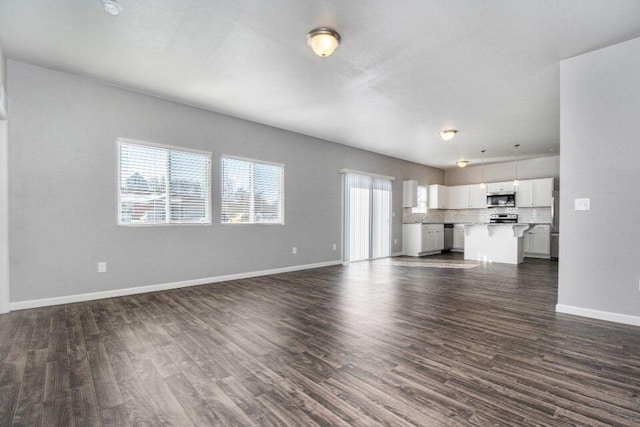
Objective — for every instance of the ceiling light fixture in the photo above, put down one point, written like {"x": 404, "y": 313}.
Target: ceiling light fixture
{"x": 516, "y": 182}
{"x": 462, "y": 163}
{"x": 482, "y": 184}
{"x": 323, "y": 41}
{"x": 448, "y": 134}
{"x": 112, "y": 7}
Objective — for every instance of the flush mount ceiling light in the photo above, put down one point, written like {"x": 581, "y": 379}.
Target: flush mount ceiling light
{"x": 111, "y": 7}
{"x": 323, "y": 41}
{"x": 462, "y": 163}
{"x": 448, "y": 134}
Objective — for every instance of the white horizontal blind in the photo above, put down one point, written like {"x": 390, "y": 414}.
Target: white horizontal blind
{"x": 252, "y": 192}
{"x": 162, "y": 185}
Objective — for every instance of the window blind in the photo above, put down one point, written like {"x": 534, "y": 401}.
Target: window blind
{"x": 252, "y": 192}
{"x": 367, "y": 217}
{"x": 162, "y": 185}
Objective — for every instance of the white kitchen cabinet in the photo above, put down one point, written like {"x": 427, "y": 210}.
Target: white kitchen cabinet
{"x": 458, "y": 238}
{"x": 458, "y": 197}
{"x": 524, "y": 194}
{"x": 438, "y": 196}
{"x": 411, "y": 239}
{"x": 500, "y": 187}
{"x": 409, "y": 194}
{"x": 477, "y": 197}
{"x": 422, "y": 239}
{"x": 535, "y": 193}
{"x": 537, "y": 241}
{"x": 435, "y": 237}
{"x": 426, "y": 239}
{"x": 543, "y": 191}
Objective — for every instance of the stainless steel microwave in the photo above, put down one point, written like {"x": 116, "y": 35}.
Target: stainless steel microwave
{"x": 501, "y": 200}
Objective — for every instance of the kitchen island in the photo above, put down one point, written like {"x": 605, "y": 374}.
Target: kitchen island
{"x": 495, "y": 242}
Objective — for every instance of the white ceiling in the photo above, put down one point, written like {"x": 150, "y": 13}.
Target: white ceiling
{"x": 404, "y": 71}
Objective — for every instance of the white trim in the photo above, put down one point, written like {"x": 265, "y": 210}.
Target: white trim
{"x": 131, "y": 141}
{"x": 373, "y": 175}
{"x": 68, "y": 299}
{"x": 597, "y": 314}
{"x": 396, "y": 254}
{"x": 250, "y": 160}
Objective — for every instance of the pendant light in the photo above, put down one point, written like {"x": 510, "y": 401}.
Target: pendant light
{"x": 482, "y": 184}
{"x": 516, "y": 182}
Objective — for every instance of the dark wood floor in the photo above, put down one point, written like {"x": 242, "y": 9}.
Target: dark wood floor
{"x": 372, "y": 343}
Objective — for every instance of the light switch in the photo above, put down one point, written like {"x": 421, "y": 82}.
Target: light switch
{"x": 582, "y": 204}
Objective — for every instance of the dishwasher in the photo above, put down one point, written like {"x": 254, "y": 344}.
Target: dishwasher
{"x": 448, "y": 237}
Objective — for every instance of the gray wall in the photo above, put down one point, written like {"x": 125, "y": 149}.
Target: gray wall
{"x": 63, "y": 190}
{"x": 599, "y": 150}
{"x": 543, "y": 167}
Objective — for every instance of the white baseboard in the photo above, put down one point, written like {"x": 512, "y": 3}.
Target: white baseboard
{"x": 68, "y": 299}
{"x": 396, "y": 254}
{"x": 597, "y": 314}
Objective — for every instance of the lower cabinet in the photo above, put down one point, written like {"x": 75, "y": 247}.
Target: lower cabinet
{"x": 422, "y": 239}
{"x": 537, "y": 241}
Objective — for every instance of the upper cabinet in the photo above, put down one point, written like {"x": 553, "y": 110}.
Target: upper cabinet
{"x": 530, "y": 193}
{"x": 477, "y": 196}
{"x": 458, "y": 197}
{"x": 438, "y": 197}
{"x": 499, "y": 187}
{"x": 409, "y": 194}
{"x": 535, "y": 193}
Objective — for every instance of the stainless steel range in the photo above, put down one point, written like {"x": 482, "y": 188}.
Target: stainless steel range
{"x": 503, "y": 218}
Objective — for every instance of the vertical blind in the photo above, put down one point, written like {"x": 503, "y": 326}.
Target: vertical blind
{"x": 367, "y": 205}
{"x": 357, "y": 204}
{"x": 252, "y": 192}
{"x": 381, "y": 218}
{"x": 162, "y": 185}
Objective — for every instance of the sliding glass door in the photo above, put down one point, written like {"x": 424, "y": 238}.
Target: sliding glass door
{"x": 367, "y": 217}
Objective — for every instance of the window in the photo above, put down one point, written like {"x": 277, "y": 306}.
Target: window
{"x": 422, "y": 200}
{"x": 162, "y": 185}
{"x": 252, "y": 192}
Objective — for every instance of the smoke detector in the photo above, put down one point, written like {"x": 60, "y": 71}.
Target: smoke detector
{"x": 112, "y": 7}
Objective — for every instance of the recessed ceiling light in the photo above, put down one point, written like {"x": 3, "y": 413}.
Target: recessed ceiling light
{"x": 112, "y": 7}
{"x": 448, "y": 134}
{"x": 323, "y": 41}
{"x": 462, "y": 163}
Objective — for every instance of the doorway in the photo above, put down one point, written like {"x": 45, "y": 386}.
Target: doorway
{"x": 367, "y": 217}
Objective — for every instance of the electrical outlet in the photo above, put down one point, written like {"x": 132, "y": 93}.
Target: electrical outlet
{"x": 102, "y": 267}
{"x": 294, "y": 250}
{"x": 395, "y": 241}
{"x": 335, "y": 246}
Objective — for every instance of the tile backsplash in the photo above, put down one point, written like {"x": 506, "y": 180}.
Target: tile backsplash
{"x": 525, "y": 215}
